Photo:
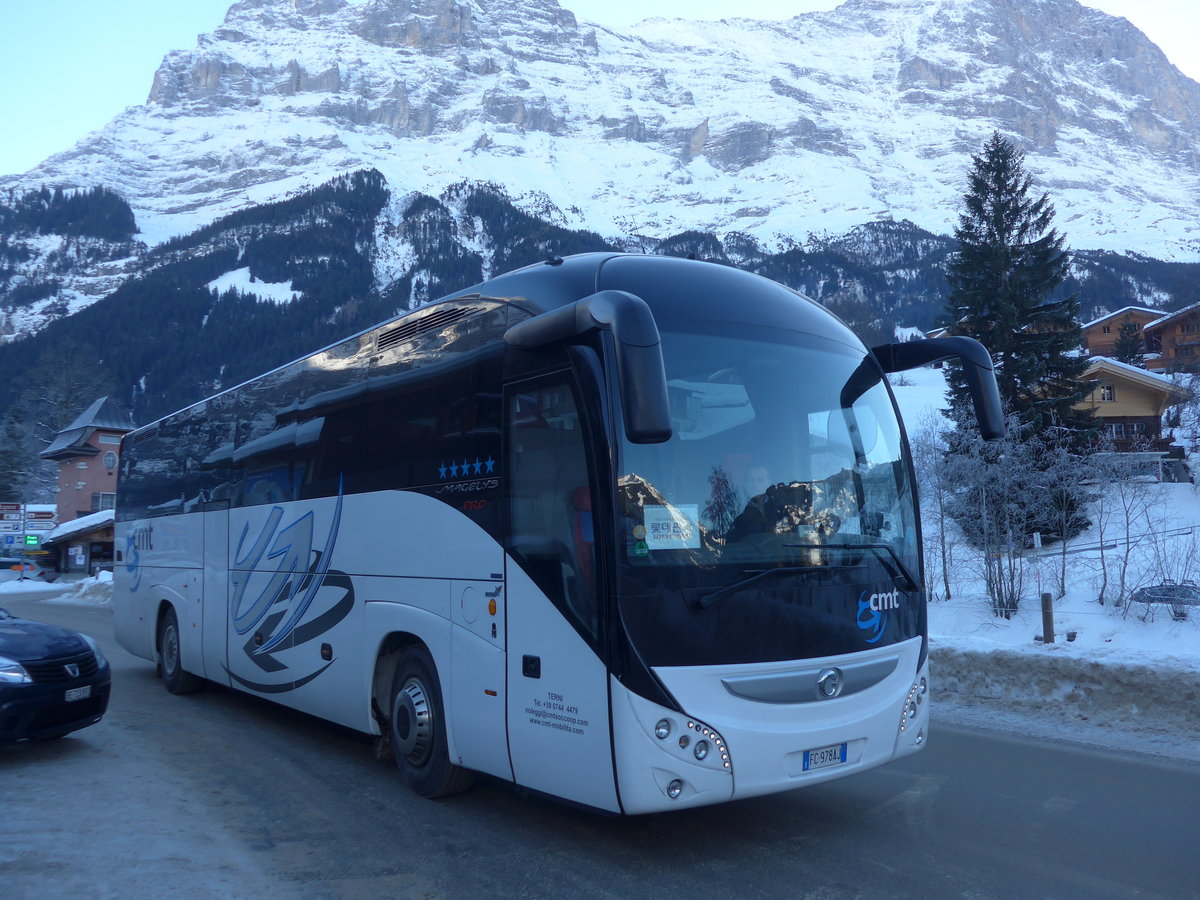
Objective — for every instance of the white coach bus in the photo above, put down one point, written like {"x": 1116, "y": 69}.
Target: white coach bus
{"x": 632, "y": 531}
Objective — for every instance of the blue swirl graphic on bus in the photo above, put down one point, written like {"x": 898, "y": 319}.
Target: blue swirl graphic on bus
{"x": 133, "y": 562}
{"x": 298, "y": 574}
{"x": 873, "y": 612}
{"x": 871, "y": 619}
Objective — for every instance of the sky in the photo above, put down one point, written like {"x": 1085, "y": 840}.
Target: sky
{"x": 70, "y": 66}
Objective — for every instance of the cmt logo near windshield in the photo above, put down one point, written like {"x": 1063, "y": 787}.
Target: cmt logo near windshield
{"x": 873, "y": 612}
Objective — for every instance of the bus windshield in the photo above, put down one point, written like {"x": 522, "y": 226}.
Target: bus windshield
{"x": 780, "y": 506}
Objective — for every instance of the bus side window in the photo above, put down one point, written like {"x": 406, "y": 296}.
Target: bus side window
{"x": 550, "y": 502}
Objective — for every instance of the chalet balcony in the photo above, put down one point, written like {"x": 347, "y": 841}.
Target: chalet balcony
{"x": 1133, "y": 445}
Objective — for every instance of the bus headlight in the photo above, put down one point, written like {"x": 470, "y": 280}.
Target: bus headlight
{"x": 701, "y": 749}
{"x": 662, "y": 730}
{"x": 911, "y": 709}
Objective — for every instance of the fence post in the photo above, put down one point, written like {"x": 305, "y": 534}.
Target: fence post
{"x": 1047, "y": 620}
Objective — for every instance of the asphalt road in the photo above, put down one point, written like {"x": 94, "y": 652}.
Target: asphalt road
{"x": 222, "y": 795}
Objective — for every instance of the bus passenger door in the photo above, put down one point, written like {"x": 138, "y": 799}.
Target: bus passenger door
{"x": 558, "y": 703}
{"x": 215, "y": 590}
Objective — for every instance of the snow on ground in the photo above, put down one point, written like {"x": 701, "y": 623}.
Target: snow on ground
{"x": 243, "y": 282}
{"x": 1168, "y": 526}
{"x": 91, "y": 591}
{"x": 1123, "y": 676}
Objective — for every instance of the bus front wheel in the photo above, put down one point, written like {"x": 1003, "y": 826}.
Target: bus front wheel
{"x": 419, "y": 728}
{"x": 170, "y": 660}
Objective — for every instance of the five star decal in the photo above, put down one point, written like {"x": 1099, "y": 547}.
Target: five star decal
{"x": 466, "y": 468}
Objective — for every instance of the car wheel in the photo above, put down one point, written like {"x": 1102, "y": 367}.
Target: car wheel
{"x": 419, "y": 728}
{"x": 169, "y": 653}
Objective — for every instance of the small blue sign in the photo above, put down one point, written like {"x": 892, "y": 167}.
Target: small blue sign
{"x": 10, "y": 539}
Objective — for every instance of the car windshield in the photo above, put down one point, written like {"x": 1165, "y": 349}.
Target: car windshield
{"x": 786, "y": 472}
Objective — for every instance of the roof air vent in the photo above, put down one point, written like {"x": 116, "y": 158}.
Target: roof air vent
{"x": 435, "y": 321}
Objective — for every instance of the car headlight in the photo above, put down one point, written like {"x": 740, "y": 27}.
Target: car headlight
{"x": 12, "y": 672}
{"x": 100, "y": 660}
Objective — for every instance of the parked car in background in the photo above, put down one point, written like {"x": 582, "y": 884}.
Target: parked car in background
{"x": 1178, "y": 598}
{"x": 14, "y": 569}
{"x": 52, "y": 680}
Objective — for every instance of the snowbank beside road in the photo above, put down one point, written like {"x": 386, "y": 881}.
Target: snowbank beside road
{"x": 1140, "y": 708}
{"x": 93, "y": 591}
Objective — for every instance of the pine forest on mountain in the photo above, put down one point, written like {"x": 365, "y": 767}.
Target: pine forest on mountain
{"x": 881, "y": 276}
{"x": 649, "y": 142}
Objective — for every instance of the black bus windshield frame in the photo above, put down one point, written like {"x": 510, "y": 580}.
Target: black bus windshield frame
{"x": 779, "y": 513}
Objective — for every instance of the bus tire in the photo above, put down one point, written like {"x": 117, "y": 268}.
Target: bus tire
{"x": 171, "y": 658}
{"x": 417, "y": 719}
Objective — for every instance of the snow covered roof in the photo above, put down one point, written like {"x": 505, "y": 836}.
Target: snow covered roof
{"x": 81, "y": 525}
{"x": 1123, "y": 311}
{"x": 1170, "y": 316}
{"x": 1150, "y": 379}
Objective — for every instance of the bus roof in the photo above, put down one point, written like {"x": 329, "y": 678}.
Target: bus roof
{"x": 675, "y": 289}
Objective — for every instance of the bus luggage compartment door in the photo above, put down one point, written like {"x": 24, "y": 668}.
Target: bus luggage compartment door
{"x": 476, "y": 690}
{"x": 215, "y": 588}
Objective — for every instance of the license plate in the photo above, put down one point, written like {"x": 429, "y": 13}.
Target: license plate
{"x": 823, "y": 757}
{"x": 80, "y": 693}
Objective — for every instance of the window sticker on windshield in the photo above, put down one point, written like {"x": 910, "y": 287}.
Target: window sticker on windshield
{"x": 672, "y": 527}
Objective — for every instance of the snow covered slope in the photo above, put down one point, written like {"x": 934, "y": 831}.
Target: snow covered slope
{"x": 778, "y": 130}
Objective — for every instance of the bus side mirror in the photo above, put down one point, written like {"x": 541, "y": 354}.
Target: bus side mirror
{"x": 977, "y": 369}
{"x": 640, "y": 371}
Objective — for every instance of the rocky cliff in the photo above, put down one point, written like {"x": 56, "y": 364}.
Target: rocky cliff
{"x": 774, "y": 129}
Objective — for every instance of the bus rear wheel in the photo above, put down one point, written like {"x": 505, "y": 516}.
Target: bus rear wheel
{"x": 419, "y": 728}
{"x": 170, "y": 657}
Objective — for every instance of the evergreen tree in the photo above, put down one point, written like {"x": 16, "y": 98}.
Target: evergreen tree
{"x": 64, "y": 381}
{"x": 1130, "y": 344}
{"x": 1003, "y": 279}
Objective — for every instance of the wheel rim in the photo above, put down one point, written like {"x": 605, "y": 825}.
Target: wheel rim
{"x": 170, "y": 650}
{"x": 412, "y": 723}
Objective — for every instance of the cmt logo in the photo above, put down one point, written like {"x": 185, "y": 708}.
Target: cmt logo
{"x": 142, "y": 537}
{"x": 884, "y": 602}
{"x": 139, "y": 539}
{"x": 873, "y": 612}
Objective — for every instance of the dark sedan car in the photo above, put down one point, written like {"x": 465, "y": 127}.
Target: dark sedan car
{"x": 52, "y": 680}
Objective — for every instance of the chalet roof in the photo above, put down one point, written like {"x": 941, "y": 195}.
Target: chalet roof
{"x": 1121, "y": 312}
{"x": 1179, "y": 313}
{"x": 82, "y": 525}
{"x": 1104, "y": 365}
{"x": 103, "y": 414}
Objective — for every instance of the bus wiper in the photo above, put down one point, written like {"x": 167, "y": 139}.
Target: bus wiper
{"x": 895, "y": 566}
{"x": 708, "y": 600}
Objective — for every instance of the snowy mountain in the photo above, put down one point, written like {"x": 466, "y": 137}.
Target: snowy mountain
{"x": 274, "y": 281}
{"x": 315, "y": 166}
{"x": 777, "y": 130}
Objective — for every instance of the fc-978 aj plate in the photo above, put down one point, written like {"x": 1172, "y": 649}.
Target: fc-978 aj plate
{"x": 824, "y": 757}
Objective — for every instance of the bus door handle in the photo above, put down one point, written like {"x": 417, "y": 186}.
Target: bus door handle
{"x": 531, "y": 666}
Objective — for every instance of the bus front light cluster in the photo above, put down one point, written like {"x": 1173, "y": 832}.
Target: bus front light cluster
{"x": 917, "y": 695}
{"x": 696, "y": 741}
